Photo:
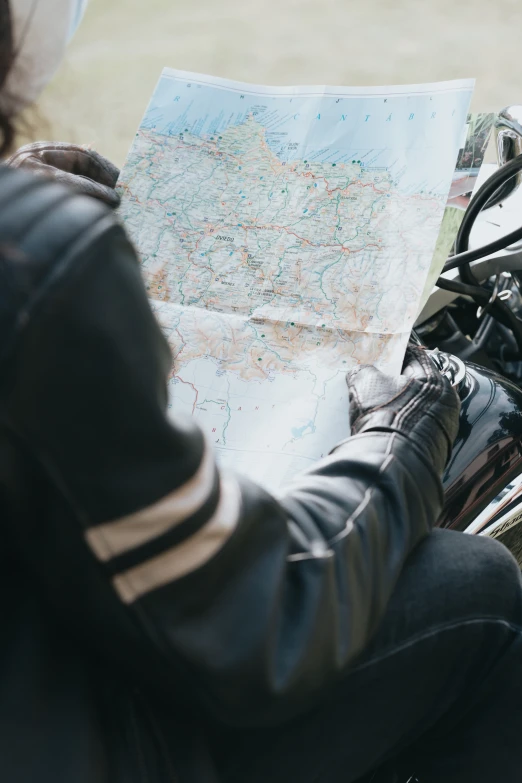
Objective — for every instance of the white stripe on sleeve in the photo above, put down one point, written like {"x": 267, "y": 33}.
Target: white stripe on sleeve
{"x": 114, "y": 538}
{"x": 191, "y": 554}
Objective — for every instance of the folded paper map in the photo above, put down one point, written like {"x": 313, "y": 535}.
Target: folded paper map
{"x": 470, "y": 159}
{"x": 286, "y": 234}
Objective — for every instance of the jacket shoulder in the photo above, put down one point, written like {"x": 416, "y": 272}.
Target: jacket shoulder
{"x": 45, "y": 230}
{"x": 40, "y": 219}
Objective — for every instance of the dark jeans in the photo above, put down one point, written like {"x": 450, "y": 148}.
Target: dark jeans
{"x": 439, "y": 691}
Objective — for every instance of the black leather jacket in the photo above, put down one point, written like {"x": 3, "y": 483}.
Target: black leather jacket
{"x": 144, "y": 593}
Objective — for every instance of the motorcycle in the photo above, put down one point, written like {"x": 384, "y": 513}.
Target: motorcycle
{"x": 472, "y": 324}
{"x": 472, "y": 328}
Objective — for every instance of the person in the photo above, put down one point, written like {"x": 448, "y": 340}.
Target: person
{"x": 165, "y": 620}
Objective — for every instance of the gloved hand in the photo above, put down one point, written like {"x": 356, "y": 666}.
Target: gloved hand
{"x": 420, "y": 404}
{"x": 82, "y": 169}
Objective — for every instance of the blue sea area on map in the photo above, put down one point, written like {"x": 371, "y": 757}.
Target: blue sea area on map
{"x": 415, "y": 137}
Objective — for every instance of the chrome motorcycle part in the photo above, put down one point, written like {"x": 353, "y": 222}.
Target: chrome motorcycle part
{"x": 502, "y": 519}
{"x": 450, "y": 367}
{"x": 508, "y": 137}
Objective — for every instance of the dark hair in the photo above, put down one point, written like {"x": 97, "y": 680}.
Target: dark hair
{"x": 6, "y": 61}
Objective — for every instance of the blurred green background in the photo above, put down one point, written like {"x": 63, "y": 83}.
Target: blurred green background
{"x": 103, "y": 87}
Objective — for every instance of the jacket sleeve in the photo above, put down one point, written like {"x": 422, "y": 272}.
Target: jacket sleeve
{"x": 195, "y": 581}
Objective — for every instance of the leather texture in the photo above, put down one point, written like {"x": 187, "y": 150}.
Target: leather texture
{"x": 420, "y": 403}
{"x": 84, "y": 170}
{"x": 269, "y": 600}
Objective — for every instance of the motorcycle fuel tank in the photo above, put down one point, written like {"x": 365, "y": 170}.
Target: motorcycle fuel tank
{"x": 487, "y": 454}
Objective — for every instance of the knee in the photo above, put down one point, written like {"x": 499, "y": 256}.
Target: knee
{"x": 485, "y": 572}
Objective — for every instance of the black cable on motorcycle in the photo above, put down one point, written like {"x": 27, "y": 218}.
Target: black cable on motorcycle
{"x": 468, "y": 256}
{"x": 483, "y": 298}
{"x": 477, "y": 204}
{"x": 464, "y": 256}
{"x": 497, "y": 309}
{"x": 470, "y": 285}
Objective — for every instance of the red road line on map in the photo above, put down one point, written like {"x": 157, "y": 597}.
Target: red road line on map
{"x": 188, "y": 383}
{"x": 311, "y": 175}
{"x": 269, "y": 226}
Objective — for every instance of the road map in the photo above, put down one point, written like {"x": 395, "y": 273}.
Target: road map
{"x": 286, "y": 234}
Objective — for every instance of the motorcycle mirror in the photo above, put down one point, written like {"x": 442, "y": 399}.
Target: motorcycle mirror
{"x": 508, "y": 138}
